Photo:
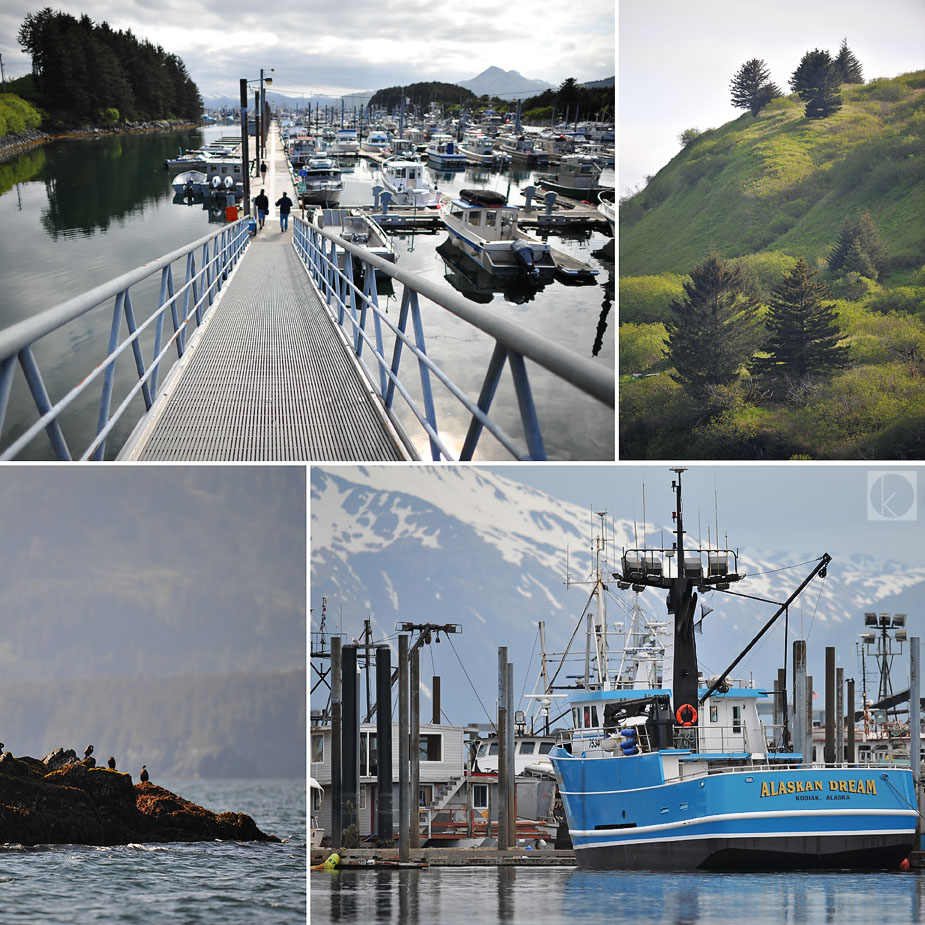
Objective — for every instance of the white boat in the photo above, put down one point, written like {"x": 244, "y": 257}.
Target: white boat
{"x": 376, "y": 142}
{"x": 480, "y": 149}
{"x": 522, "y": 151}
{"x": 224, "y": 175}
{"x": 484, "y": 227}
{"x": 302, "y": 149}
{"x": 607, "y": 207}
{"x": 442, "y": 151}
{"x": 577, "y": 177}
{"x": 356, "y": 227}
{"x": 320, "y": 182}
{"x": 316, "y": 833}
{"x": 404, "y": 179}
{"x": 187, "y": 160}
{"x": 189, "y": 183}
{"x": 345, "y": 142}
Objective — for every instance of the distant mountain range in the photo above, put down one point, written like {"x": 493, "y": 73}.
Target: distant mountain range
{"x": 493, "y": 81}
{"x": 469, "y": 547}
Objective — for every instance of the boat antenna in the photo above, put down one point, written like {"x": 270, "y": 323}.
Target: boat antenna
{"x": 643, "y": 514}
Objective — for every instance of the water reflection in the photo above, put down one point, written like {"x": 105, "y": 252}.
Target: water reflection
{"x": 90, "y": 184}
{"x": 478, "y": 285}
{"x": 21, "y": 169}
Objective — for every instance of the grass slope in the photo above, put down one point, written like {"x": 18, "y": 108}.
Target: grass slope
{"x": 781, "y": 182}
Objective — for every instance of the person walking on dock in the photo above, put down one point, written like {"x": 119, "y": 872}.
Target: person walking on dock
{"x": 263, "y": 172}
{"x": 284, "y": 204}
{"x": 262, "y": 205}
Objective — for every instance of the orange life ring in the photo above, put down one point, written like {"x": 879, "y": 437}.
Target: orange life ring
{"x": 689, "y": 712}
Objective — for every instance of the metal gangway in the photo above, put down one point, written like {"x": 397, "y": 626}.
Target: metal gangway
{"x": 271, "y": 347}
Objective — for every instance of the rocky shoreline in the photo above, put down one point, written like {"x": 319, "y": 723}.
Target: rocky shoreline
{"x": 11, "y": 145}
{"x": 60, "y": 800}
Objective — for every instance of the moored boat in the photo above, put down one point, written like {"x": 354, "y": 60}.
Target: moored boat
{"x": 484, "y": 227}
{"x": 404, "y": 179}
{"x": 376, "y": 142}
{"x": 684, "y": 775}
{"x": 189, "y": 183}
{"x": 479, "y": 149}
{"x": 356, "y": 227}
{"x": 576, "y": 176}
{"x": 320, "y": 182}
{"x": 443, "y": 152}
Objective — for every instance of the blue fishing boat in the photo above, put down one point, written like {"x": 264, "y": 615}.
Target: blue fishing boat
{"x": 671, "y": 771}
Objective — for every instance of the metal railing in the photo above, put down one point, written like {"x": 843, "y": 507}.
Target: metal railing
{"x": 187, "y": 304}
{"x": 354, "y": 304}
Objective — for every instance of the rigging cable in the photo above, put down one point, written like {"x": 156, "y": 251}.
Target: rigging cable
{"x": 466, "y": 673}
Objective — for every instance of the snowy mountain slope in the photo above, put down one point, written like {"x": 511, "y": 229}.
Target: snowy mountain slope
{"x": 465, "y": 545}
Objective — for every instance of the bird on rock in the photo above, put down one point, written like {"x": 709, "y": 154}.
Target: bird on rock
{"x": 144, "y": 772}
{"x": 111, "y": 763}
{"x": 88, "y": 751}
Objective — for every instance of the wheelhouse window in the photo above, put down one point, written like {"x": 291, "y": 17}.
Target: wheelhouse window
{"x": 714, "y": 713}
{"x": 317, "y": 748}
{"x": 480, "y": 796}
{"x": 527, "y": 748}
{"x": 431, "y": 747}
{"x": 545, "y": 748}
{"x": 736, "y": 719}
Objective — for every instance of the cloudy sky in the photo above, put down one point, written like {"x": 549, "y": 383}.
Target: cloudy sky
{"x": 354, "y": 45}
{"x": 677, "y": 60}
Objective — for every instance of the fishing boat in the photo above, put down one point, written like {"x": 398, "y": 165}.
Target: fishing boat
{"x": 404, "y": 179}
{"x": 376, "y": 142}
{"x": 320, "y": 182}
{"x": 345, "y": 143}
{"x": 224, "y": 175}
{"x": 522, "y": 151}
{"x": 484, "y": 227}
{"x": 302, "y": 149}
{"x": 577, "y": 177}
{"x": 356, "y": 227}
{"x": 443, "y": 152}
{"x": 480, "y": 150}
{"x": 684, "y": 775}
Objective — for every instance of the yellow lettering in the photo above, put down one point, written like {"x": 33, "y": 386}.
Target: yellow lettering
{"x": 791, "y": 788}
{"x": 853, "y": 786}
{"x": 871, "y": 788}
{"x": 764, "y": 789}
{"x": 843, "y": 786}
{"x": 774, "y": 790}
{"x": 801, "y": 786}
{"x": 833, "y": 785}
{"x": 817, "y": 785}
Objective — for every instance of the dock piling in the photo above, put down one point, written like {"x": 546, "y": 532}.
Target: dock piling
{"x": 404, "y": 847}
{"x": 385, "y": 825}
{"x": 337, "y": 819}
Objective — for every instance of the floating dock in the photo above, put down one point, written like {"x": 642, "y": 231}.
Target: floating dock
{"x": 352, "y": 858}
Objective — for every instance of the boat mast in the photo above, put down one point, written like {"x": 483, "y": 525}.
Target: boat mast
{"x": 682, "y": 603}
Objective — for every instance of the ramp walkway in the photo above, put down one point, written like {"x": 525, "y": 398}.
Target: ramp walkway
{"x": 269, "y": 378}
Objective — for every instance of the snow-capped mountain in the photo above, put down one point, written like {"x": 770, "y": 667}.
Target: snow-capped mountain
{"x": 467, "y": 546}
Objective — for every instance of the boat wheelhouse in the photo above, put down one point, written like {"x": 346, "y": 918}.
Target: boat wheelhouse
{"x": 355, "y": 227}
{"x": 376, "y": 142}
{"x": 345, "y": 142}
{"x": 404, "y": 179}
{"x": 577, "y": 177}
{"x": 443, "y": 152}
{"x": 479, "y": 149}
{"x": 682, "y": 774}
{"x": 320, "y": 182}
{"x": 302, "y": 149}
{"x": 484, "y": 227}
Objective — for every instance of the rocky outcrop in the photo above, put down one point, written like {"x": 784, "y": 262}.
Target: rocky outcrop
{"x": 77, "y": 803}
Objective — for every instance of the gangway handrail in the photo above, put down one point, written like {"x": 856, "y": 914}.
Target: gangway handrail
{"x": 194, "y": 297}
{"x": 349, "y": 306}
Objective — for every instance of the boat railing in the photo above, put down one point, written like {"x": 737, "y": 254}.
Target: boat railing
{"x": 182, "y": 285}
{"x": 353, "y": 305}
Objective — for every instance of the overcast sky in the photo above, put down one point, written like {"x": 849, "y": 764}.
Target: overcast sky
{"x": 353, "y": 45}
{"x": 801, "y": 507}
{"x": 677, "y": 60}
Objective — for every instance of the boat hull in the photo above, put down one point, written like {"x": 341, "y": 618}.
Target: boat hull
{"x": 793, "y": 852}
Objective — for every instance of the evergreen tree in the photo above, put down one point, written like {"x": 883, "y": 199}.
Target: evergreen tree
{"x": 712, "y": 333}
{"x": 803, "y": 330}
{"x": 849, "y": 68}
{"x": 817, "y": 81}
{"x": 859, "y": 248}
{"x": 752, "y": 88}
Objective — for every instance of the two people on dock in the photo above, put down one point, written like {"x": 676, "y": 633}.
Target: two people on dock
{"x": 284, "y": 204}
{"x": 262, "y": 205}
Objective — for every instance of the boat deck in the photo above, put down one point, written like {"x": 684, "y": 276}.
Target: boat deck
{"x": 268, "y": 377}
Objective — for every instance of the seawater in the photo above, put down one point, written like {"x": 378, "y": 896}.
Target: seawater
{"x": 557, "y": 896}
{"x": 190, "y": 882}
{"x": 78, "y": 213}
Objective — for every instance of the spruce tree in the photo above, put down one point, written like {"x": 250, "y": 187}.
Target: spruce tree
{"x": 849, "y": 68}
{"x": 803, "y": 330}
{"x": 712, "y": 333}
{"x": 817, "y": 81}
{"x": 859, "y": 248}
{"x": 752, "y": 88}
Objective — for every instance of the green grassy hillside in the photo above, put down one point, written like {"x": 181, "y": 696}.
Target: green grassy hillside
{"x": 759, "y": 193}
{"x": 783, "y": 182}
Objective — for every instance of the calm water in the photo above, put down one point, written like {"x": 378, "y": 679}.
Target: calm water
{"x": 557, "y": 896}
{"x": 78, "y": 213}
{"x": 189, "y": 883}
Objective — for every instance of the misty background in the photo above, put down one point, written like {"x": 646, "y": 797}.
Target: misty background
{"x": 158, "y": 613}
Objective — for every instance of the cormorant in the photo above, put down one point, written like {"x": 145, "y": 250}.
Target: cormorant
{"x": 88, "y": 751}
{"x": 112, "y": 763}
{"x": 144, "y": 772}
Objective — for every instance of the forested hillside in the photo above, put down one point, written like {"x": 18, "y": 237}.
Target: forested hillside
{"x": 84, "y": 72}
{"x": 813, "y": 223}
